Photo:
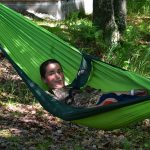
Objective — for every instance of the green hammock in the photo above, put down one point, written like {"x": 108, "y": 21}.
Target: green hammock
{"x": 27, "y": 45}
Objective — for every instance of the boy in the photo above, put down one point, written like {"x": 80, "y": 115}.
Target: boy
{"x": 52, "y": 74}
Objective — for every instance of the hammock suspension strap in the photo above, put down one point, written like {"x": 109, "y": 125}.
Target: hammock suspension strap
{"x": 83, "y": 72}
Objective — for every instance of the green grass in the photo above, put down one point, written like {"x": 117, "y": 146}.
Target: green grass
{"x": 138, "y": 7}
{"x": 134, "y": 52}
{"x": 16, "y": 91}
{"x": 43, "y": 144}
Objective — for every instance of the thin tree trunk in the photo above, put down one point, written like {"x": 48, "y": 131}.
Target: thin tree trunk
{"x": 109, "y": 17}
{"x": 120, "y": 14}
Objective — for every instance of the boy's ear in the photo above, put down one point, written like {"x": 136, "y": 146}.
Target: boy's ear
{"x": 43, "y": 79}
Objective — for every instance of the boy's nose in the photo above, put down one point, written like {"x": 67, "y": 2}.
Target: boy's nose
{"x": 58, "y": 75}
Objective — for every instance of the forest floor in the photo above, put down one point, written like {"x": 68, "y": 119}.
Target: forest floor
{"x": 25, "y": 125}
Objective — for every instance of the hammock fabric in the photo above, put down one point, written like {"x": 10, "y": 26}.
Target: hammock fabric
{"x": 27, "y": 45}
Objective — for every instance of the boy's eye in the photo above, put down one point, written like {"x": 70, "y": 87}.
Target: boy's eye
{"x": 60, "y": 71}
{"x": 54, "y": 72}
{"x": 51, "y": 73}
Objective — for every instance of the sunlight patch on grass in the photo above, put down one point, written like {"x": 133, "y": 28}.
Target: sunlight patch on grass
{"x": 5, "y": 133}
{"x": 16, "y": 107}
{"x": 45, "y": 23}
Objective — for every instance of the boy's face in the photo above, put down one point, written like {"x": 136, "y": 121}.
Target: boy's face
{"x": 54, "y": 76}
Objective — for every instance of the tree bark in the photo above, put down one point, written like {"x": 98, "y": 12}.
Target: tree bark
{"x": 120, "y": 14}
{"x": 109, "y": 17}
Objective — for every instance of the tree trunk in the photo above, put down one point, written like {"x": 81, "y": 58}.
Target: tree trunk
{"x": 109, "y": 17}
{"x": 120, "y": 14}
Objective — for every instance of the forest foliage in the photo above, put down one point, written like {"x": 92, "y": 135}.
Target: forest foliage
{"x": 133, "y": 50}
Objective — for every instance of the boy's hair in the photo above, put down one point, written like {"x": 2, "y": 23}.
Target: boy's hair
{"x": 44, "y": 65}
